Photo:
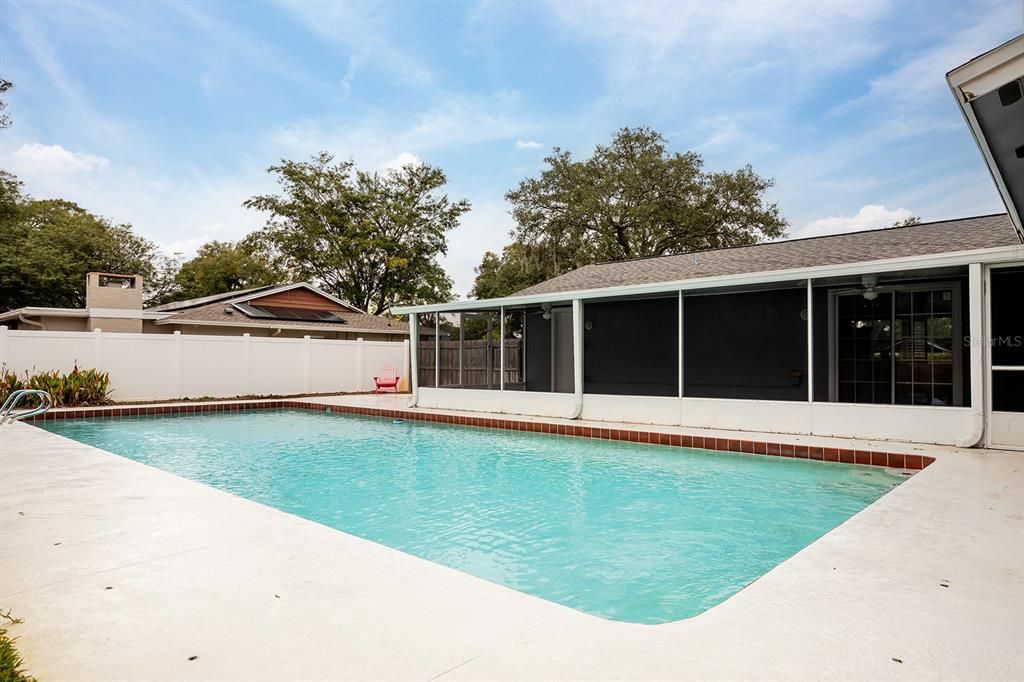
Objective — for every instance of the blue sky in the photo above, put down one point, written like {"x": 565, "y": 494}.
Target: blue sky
{"x": 166, "y": 115}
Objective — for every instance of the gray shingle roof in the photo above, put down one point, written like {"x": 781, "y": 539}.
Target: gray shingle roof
{"x": 965, "y": 234}
{"x": 215, "y": 312}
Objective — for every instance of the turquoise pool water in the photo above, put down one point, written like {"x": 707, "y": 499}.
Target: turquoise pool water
{"x": 638, "y": 533}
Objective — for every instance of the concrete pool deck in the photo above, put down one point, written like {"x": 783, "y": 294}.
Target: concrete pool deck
{"x": 124, "y": 572}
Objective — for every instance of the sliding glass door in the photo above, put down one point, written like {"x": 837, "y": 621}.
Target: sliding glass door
{"x": 897, "y": 346}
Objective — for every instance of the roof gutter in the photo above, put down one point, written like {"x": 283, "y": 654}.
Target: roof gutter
{"x": 999, "y": 254}
{"x": 25, "y": 320}
{"x": 248, "y": 323}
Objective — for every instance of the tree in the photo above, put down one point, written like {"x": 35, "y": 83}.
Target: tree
{"x": 49, "y": 246}
{"x": 5, "y": 118}
{"x": 907, "y": 222}
{"x": 632, "y": 199}
{"x": 220, "y": 267}
{"x": 369, "y": 238}
{"x": 519, "y": 266}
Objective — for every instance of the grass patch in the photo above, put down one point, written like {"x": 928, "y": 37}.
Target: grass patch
{"x": 11, "y": 665}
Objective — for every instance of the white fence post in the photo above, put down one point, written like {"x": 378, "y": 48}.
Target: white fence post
{"x": 359, "y": 365}
{"x": 308, "y": 371}
{"x": 3, "y": 346}
{"x": 247, "y": 354}
{"x": 97, "y": 349}
{"x": 179, "y": 388}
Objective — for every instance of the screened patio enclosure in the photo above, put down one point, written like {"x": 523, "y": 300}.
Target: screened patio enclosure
{"x": 893, "y": 338}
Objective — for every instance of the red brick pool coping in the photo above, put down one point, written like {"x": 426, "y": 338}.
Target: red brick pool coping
{"x": 754, "y": 447}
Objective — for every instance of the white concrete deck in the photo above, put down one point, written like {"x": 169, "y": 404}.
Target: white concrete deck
{"x": 123, "y": 572}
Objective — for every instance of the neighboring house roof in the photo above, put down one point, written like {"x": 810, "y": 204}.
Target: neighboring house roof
{"x": 234, "y": 310}
{"x": 216, "y": 313}
{"x": 966, "y": 234}
{"x": 203, "y": 300}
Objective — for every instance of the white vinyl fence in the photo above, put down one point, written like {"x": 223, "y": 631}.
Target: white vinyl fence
{"x": 164, "y": 366}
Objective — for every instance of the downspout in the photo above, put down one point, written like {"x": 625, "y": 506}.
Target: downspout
{"x": 414, "y": 359}
{"x": 577, "y": 357}
{"x": 25, "y": 320}
{"x": 976, "y": 297}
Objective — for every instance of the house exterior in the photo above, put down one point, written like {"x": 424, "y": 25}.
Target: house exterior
{"x": 114, "y": 304}
{"x": 909, "y": 333}
{"x": 881, "y": 334}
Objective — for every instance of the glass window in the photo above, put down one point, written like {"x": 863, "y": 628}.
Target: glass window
{"x": 898, "y": 348}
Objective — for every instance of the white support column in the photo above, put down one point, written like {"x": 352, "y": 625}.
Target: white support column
{"x": 3, "y": 345}
{"x": 414, "y": 353}
{"x": 978, "y": 347}
{"x": 810, "y": 340}
{"x": 501, "y": 350}
{"x": 680, "y": 378}
{"x": 437, "y": 349}
{"x": 577, "y": 354}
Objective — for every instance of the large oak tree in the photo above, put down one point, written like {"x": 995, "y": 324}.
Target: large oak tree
{"x": 630, "y": 199}
{"x": 372, "y": 239}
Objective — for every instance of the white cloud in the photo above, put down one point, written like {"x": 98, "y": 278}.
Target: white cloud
{"x": 186, "y": 247}
{"x": 869, "y": 217}
{"x": 402, "y": 160}
{"x": 528, "y": 144}
{"x": 485, "y": 228}
{"x": 34, "y": 158}
{"x": 455, "y": 121}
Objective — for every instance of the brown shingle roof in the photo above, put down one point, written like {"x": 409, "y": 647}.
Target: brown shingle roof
{"x": 965, "y": 234}
{"x": 216, "y": 312}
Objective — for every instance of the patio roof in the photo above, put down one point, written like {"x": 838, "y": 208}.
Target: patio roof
{"x": 988, "y": 238}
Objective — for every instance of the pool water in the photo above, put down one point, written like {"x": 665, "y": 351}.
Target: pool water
{"x": 630, "y": 532}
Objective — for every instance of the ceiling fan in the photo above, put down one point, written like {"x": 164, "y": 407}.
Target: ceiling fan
{"x": 868, "y": 288}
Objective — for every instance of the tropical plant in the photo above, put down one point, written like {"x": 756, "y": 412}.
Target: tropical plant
{"x": 77, "y": 388}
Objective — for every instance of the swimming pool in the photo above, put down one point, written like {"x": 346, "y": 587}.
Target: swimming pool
{"x": 637, "y": 533}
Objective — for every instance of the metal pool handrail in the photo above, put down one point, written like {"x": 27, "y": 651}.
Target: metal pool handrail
{"x": 7, "y": 414}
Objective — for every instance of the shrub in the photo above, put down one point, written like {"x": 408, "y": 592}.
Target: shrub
{"x": 77, "y": 388}
{"x": 11, "y": 665}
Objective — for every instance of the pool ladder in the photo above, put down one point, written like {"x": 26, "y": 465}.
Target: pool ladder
{"x": 9, "y": 416}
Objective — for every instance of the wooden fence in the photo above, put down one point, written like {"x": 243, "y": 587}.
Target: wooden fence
{"x": 481, "y": 363}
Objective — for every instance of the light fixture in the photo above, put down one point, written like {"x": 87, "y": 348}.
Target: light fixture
{"x": 546, "y": 307}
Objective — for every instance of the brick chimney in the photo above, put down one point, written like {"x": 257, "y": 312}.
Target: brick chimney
{"x": 114, "y": 301}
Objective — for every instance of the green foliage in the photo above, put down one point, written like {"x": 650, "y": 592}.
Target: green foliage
{"x": 519, "y": 266}
{"x": 907, "y": 222}
{"x": 220, "y": 267}
{"x": 630, "y": 199}
{"x": 5, "y": 118}
{"x": 77, "y": 388}
{"x": 11, "y": 664}
{"x": 49, "y": 245}
{"x": 369, "y": 238}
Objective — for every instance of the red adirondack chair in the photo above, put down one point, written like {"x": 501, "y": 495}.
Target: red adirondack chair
{"x": 387, "y": 381}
